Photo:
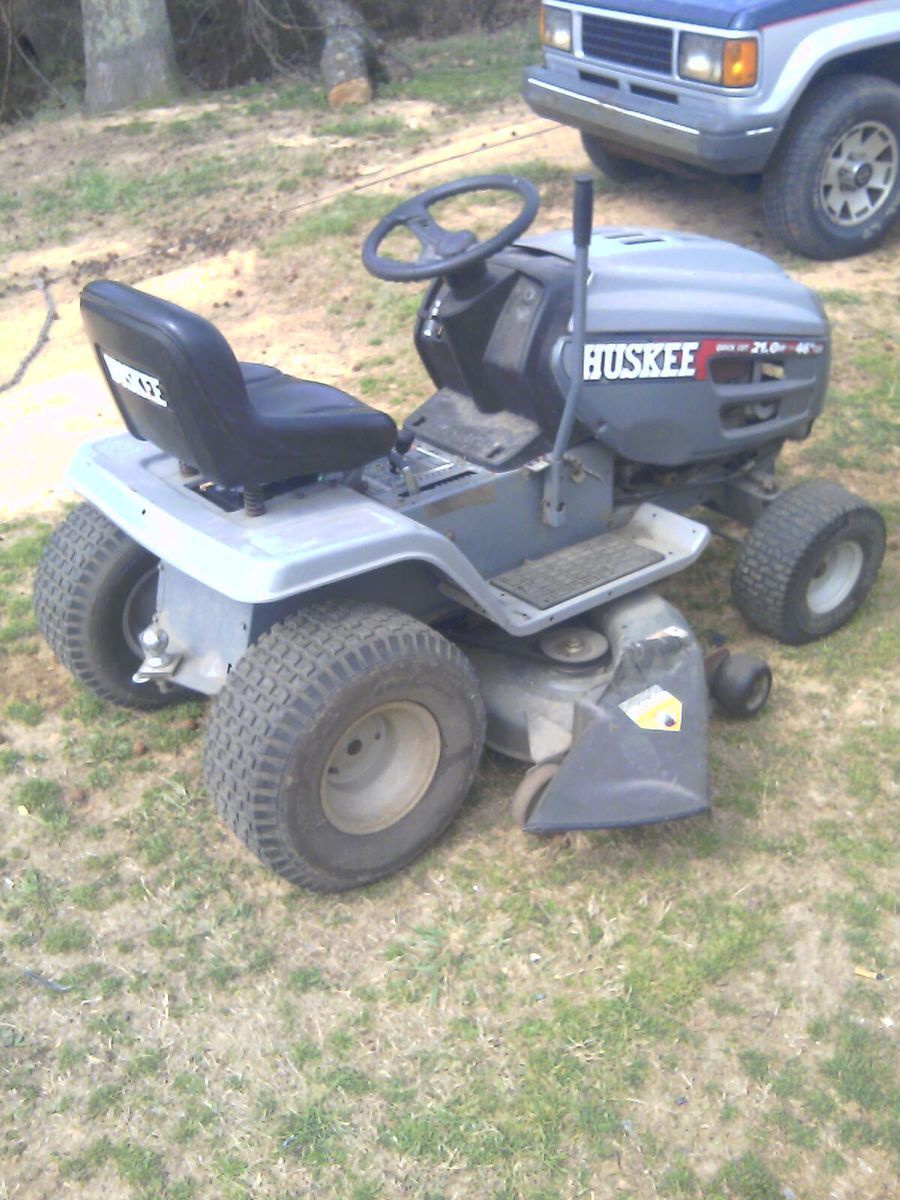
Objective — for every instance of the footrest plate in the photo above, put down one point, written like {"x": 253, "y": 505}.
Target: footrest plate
{"x": 560, "y": 576}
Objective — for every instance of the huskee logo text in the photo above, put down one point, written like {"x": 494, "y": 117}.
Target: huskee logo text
{"x": 640, "y": 360}
{"x": 146, "y": 386}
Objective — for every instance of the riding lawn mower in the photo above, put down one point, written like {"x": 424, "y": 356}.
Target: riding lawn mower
{"x": 370, "y": 606}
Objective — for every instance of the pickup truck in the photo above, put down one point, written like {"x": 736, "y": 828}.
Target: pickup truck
{"x": 802, "y": 94}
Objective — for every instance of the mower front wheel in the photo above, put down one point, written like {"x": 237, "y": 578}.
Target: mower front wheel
{"x": 808, "y": 563}
{"x": 95, "y": 591}
{"x": 529, "y": 791}
{"x": 344, "y": 743}
{"x": 741, "y": 685}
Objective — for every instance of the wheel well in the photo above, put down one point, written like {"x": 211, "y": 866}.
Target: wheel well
{"x": 879, "y": 60}
{"x": 883, "y": 61}
{"x": 410, "y": 587}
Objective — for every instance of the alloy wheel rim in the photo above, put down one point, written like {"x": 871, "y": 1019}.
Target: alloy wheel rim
{"x": 380, "y": 767}
{"x": 859, "y": 173}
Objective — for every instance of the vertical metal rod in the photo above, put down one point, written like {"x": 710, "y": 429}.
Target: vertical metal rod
{"x": 553, "y": 505}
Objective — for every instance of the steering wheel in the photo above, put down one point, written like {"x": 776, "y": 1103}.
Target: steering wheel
{"x": 445, "y": 251}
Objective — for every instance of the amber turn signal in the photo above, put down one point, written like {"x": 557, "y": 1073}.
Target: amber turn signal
{"x": 740, "y": 63}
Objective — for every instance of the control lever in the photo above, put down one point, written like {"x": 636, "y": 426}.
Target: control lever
{"x": 402, "y": 446}
{"x": 554, "y": 507}
{"x": 405, "y": 439}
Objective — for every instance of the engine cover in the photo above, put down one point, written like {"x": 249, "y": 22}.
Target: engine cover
{"x": 697, "y": 349}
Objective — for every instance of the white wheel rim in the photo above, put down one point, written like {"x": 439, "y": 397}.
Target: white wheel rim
{"x": 138, "y": 610}
{"x": 859, "y": 173}
{"x": 835, "y": 577}
{"x": 758, "y": 694}
{"x": 529, "y": 791}
{"x": 380, "y": 767}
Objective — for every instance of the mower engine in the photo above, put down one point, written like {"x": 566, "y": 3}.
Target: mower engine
{"x": 700, "y": 357}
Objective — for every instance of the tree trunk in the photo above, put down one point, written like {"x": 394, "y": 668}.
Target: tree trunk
{"x": 128, "y": 54}
{"x": 350, "y": 51}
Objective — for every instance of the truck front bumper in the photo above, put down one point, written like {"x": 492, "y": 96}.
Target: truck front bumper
{"x": 620, "y": 117}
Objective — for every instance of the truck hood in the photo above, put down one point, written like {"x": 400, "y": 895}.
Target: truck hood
{"x": 720, "y": 14}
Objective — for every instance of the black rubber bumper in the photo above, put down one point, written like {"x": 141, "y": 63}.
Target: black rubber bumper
{"x": 653, "y": 127}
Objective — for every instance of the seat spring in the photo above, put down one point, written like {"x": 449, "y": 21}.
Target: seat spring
{"x": 254, "y": 502}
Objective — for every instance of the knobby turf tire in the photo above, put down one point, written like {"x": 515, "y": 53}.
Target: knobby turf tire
{"x": 290, "y": 699}
{"x": 790, "y": 190}
{"x": 87, "y": 571}
{"x": 776, "y": 561}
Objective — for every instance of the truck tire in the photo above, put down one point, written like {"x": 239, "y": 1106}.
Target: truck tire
{"x": 94, "y": 592}
{"x": 832, "y": 188}
{"x": 617, "y": 167}
{"x": 808, "y": 563}
{"x": 344, "y": 743}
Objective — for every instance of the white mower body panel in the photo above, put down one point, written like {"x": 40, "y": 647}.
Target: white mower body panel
{"x": 324, "y": 533}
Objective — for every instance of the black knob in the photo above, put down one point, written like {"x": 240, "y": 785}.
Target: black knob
{"x": 405, "y": 439}
{"x": 583, "y": 210}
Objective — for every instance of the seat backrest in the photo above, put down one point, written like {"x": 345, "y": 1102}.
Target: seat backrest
{"x": 172, "y": 374}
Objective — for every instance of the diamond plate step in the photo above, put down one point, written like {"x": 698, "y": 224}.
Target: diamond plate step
{"x": 561, "y": 576}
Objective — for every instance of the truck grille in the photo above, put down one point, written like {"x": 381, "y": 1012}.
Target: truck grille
{"x": 648, "y": 47}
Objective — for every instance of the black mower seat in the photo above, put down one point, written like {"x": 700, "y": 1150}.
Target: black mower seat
{"x": 178, "y": 385}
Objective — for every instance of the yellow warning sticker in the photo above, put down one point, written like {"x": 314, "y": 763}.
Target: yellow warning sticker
{"x": 654, "y": 708}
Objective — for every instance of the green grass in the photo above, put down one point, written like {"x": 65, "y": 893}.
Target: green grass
{"x": 134, "y": 128}
{"x": 20, "y": 548}
{"x": 858, "y": 430}
{"x": 468, "y": 71}
{"x": 26, "y": 712}
{"x": 135, "y": 195}
{"x": 96, "y": 191}
{"x": 258, "y": 101}
{"x": 67, "y": 938}
{"x": 43, "y": 798}
{"x": 191, "y": 130}
{"x": 360, "y": 125}
{"x": 309, "y": 165}
{"x": 338, "y": 218}
{"x": 9, "y": 203}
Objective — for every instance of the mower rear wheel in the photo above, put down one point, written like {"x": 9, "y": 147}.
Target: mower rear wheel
{"x": 741, "y": 685}
{"x": 808, "y": 563}
{"x": 344, "y": 743}
{"x": 95, "y": 591}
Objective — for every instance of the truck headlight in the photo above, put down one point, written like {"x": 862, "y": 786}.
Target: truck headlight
{"x": 729, "y": 62}
{"x": 556, "y": 28}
